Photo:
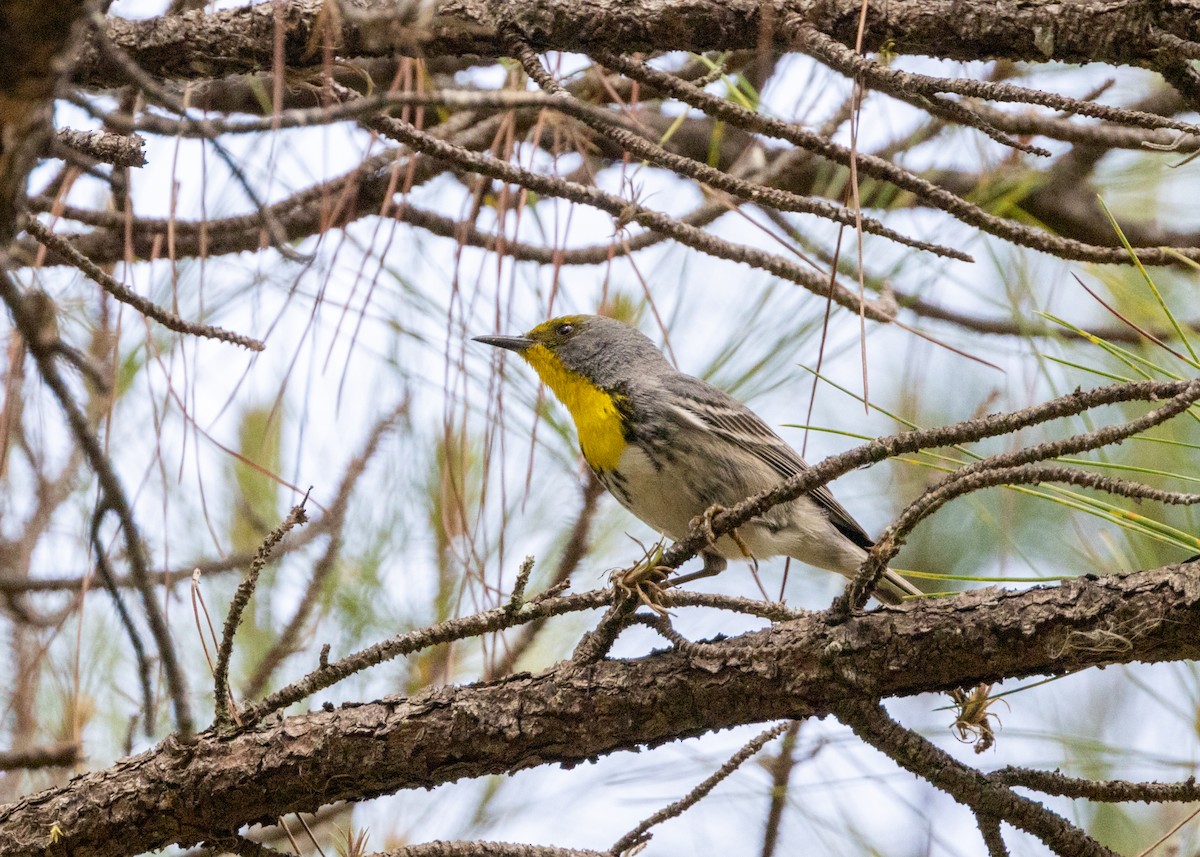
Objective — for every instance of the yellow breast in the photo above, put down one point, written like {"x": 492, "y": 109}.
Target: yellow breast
{"x": 597, "y": 417}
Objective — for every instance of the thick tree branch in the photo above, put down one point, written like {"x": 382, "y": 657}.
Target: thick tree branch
{"x": 63, "y": 754}
{"x": 186, "y": 793}
{"x": 35, "y": 41}
{"x": 1120, "y": 32}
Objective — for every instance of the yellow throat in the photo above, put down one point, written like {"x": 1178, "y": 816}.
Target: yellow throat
{"x": 596, "y": 413}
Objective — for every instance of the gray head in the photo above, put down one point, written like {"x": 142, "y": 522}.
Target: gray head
{"x": 607, "y": 352}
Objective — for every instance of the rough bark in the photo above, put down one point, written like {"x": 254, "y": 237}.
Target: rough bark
{"x": 1121, "y": 32}
{"x": 34, "y": 40}
{"x": 569, "y": 714}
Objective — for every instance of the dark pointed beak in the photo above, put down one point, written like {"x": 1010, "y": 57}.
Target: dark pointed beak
{"x": 512, "y": 343}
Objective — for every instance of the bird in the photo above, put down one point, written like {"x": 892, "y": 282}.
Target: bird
{"x": 672, "y": 448}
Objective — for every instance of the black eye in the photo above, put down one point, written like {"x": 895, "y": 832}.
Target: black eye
{"x": 565, "y": 329}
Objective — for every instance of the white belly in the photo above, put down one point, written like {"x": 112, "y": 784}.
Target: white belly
{"x": 642, "y": 489}
{"x": 670, "y": 507}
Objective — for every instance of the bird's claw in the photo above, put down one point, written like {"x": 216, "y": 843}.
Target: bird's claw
{"x": 705, "y": 521}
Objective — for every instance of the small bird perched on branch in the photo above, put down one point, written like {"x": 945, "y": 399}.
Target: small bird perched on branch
{"x": 672, "y": 448}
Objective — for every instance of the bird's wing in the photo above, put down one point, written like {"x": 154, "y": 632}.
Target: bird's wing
{"x": 734, "y": 422}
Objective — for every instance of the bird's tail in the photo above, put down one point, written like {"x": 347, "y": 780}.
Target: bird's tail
{"x": 894, "y": 589}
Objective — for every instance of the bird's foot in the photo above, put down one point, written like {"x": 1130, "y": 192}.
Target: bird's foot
{"x": 705, "y": 521}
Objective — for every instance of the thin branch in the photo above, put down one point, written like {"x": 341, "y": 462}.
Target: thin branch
{"x": 780, "y": 200}
{"x": 1106, "y": 136}
{"x": 1108, "y": 791}
{"x": 850, "y": 63}
{"x": 241, "y": 598}
{"x": 162, "y": 576}
{"x": 127, "y": 296}
{"x": 233, "y": 234}
{"x": 640, "y": 833}
{"x": 1010, "y": 468}
{"x": 364, "y": 190}
{"x": 125, "y": 617}
{"x": 964, "y": 115}
{"x": 989, "y": 829}
{"x": 287, "y": 641}
{"x": 357, "y": 109}
{"x": 965, "y": 784}
{"x": 933, "y": 195}
{"x": 117, "y": 149}
{"x": 113, "y": 495}
{"x": 780, "y": 768}
{"x": 1021, "y": 325}
{"x": 624, "y": 211}
{"x": 413, "y": 641}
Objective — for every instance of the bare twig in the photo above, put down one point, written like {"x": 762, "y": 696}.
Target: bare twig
{"x": 162, "y": 576}
{"x": 780, "y": 768}
{"x": 241, "y": 598}
{"x": 442, "y": 632}
{"x": 875, "y": 167}
{"x": 989, "y": 829}
{"x": 333, "y": 521}
{"x": 626, "y": 211}
{"x": 780, "y": 200}
{"x": 641, "y": 834}
{"x": 105, "y": 146}
{"x": 1108, "y": 791}
{"x": 112, "y": 491}
{"x": 127, "y": 296}
{"x": 1009, "y": 468}
{"x": 850, "y": 63}
{"x": 125, "y": 617}
{"x": 966, "y": 785}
